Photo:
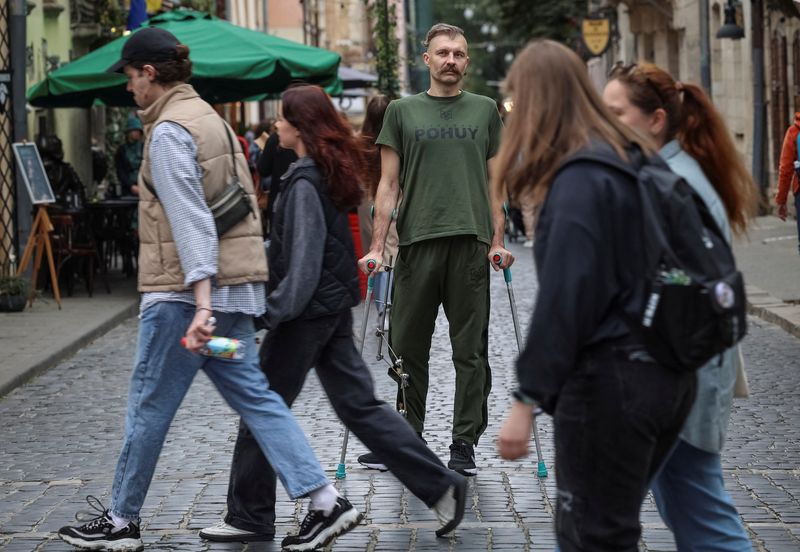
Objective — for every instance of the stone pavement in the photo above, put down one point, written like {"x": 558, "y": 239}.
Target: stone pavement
{"x": 61, "y": 433}
{"x": 37, "y": 338}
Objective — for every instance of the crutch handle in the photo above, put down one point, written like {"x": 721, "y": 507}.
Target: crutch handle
{"x": 506, "y": 271}
{"x": 371, "y": 264}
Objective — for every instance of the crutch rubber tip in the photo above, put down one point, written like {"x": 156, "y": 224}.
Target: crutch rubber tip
{"x": 340, "y": 472}
{"x": 541, "y": 471}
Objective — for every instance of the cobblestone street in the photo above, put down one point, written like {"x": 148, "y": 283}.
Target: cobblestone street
{"x": 60, "y": 436}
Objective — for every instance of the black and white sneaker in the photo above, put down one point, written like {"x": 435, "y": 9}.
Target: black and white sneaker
{"x": 318, "y": 530}
{"x": 449, "y": 508}
{"x": 462, "y": 458}
{"x": 370, "y": 460}
{"x": 100, "y": 533}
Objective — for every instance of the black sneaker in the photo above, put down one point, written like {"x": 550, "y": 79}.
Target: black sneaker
{"x": 99, "y": 533}
{"x": 317, "y": 529}
{"x": 370, "y": 460}
{"x": 462, "y": 458}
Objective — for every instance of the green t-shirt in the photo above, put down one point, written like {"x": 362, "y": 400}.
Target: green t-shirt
{"x": 443, "y": 144}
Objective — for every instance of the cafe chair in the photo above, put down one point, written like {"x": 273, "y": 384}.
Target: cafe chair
{"x": 76, "y": 252}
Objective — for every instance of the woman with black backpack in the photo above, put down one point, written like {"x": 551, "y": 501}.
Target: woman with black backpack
{"x": 681, "y": 120}
{"x": 616, "y": 411}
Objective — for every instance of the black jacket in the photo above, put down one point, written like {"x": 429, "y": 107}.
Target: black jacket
{"x": 590, "y": 265}
{"x": 329, "y": 272}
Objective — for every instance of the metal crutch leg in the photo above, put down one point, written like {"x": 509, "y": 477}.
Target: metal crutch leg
{"x": 340, "y": 470}
{"x": 541, "y": 470}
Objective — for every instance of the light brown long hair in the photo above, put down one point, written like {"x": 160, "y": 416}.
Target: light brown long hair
{"x": 556, "y": 112}
{"x": 701, "y": 131}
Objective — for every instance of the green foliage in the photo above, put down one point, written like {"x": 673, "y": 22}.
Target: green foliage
{"x": 13, "y": 285}
{"x": 386, "y": 46}
{"x": 110, "y": 15}
{"x": 555, "y": 19}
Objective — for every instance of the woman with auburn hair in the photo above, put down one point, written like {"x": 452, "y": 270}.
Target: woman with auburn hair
{"x": 616, "y": 411}
{"x": 681, "y": 120}
{"x": 313, "y": 284}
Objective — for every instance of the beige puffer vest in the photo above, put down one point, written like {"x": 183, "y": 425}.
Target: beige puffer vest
{"x": 241, "y": 249}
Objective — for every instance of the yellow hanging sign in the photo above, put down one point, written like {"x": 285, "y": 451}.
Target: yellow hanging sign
{"x": 596, "y": 34}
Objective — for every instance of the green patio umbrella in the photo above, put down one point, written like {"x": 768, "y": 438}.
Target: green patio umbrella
{"x": 229, "y": 63}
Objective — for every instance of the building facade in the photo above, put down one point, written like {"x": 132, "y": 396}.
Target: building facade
{"x": 754, "y": 81}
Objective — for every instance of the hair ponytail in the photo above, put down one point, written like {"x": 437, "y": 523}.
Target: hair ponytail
{"x": 699, "y": 128}
{"x": 703, "y": 134}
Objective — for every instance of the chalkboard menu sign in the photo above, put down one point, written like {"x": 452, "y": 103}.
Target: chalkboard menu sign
{"x": 30, "y": 164}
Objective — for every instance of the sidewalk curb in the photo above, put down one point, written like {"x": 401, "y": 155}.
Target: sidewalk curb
{"x": 57, "y": 356}
{"x": 773, "y": 310}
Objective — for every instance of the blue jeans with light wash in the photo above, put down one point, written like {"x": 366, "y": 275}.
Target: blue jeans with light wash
{"x": 162, "y": 374}
{"x": 692, "y": 500}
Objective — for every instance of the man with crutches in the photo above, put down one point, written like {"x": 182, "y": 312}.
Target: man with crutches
{"x": 436, "y": 147}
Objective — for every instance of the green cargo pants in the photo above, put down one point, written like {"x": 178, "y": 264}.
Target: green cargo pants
{"x": 452, "y": 272}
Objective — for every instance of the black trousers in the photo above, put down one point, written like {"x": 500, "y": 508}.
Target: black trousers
{"x": 615, "y": 423}
{"x": 287, "y": 354}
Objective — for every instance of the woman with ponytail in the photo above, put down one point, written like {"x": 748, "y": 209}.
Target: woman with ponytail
{"x": 694, "y": 141}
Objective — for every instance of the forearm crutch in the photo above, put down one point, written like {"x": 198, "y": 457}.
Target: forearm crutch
{"x": 541, "y": 466}
{"x": 371, "y": 264}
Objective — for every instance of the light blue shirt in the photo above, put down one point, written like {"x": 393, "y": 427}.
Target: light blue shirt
{"x": 707, "y": 424}
{"x": 177, "y": 178}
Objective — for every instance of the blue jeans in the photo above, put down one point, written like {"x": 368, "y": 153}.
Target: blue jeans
{"x": 162, "y": 374}
{"x": 692, "y": 500}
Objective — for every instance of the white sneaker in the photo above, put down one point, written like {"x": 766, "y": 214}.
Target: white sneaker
{"x": 225, "y": 532}
{"x": 449, "y": 508}
{"x": 528, "y": 243}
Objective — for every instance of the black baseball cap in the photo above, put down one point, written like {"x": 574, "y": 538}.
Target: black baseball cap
{"x": 147, "y": 45}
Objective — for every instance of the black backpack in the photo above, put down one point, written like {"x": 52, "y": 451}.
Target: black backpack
{"x": 694, "y": 306}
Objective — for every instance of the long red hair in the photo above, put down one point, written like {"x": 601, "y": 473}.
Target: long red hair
{"x": 693, "y": 120}
{"x": 329, "y": 141}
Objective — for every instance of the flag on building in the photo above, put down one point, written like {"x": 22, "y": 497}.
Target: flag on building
{"x": 137, "y": 14}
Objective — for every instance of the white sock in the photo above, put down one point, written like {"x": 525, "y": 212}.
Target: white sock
{"x": 119, "y": 523}
{"x": 324, "y": 498}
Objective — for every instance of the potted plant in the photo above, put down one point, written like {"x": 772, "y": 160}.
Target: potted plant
{"x": 13, "y": 293}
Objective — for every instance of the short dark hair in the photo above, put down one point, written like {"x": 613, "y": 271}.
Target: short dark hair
{"x": 442, "y": 28}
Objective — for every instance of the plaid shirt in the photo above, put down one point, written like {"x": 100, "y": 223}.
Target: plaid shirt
{"x": 177, "y": 178}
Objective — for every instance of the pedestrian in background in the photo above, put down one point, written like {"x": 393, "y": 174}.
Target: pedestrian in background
{"x": 616, "y": 411}
{"x": 373, "y": 123}
{"x": 436, "y": 148}
{"x": 187, "y": 273}
{"x": 273, "y": 164}
{"x": 128, "y": 157}
{"x": 694, "y": 141}
{"x": 789, "y": 173}
{"x": 313, "y": 286}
